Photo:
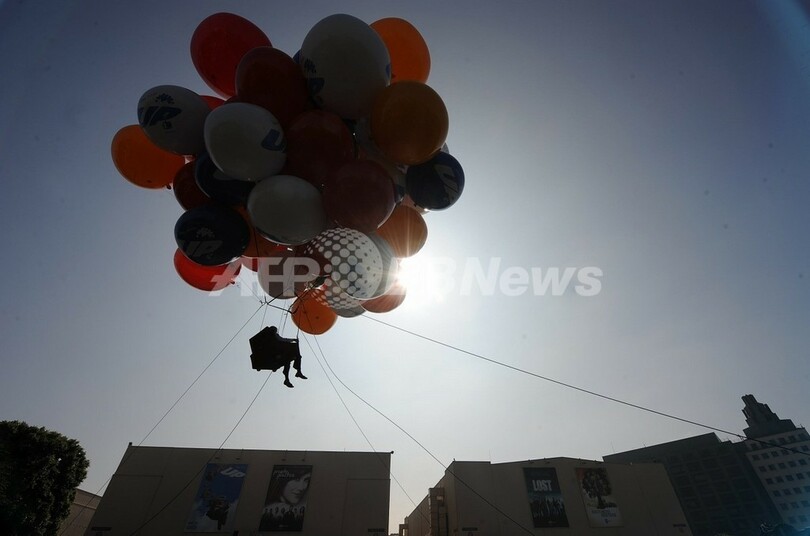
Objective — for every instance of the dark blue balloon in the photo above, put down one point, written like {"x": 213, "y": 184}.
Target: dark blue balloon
{"x": 437, "y": 183}
{"x": 212, "y": 234}
{"x": 219, "y": 186}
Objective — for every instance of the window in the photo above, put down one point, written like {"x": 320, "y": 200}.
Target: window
{"x": 788, "y": 492}
{"x": 805, "y": 503}
{"x": 791, "y": 464}
{"x": 807, "y": 488}
{"x": 805, "y": 448}
{"x": 756, "y": 456}
{"x": 782, "y": 466}
{"x": 782, "y": 440}
{"x": 802, "y": 462}
{"x": 769, "y": 480}
{"x": 800, "y": 476}
{"x": 772, "y": 467}
{"x": 765, "y": 456}
{"x": 775, "y": 454}
{"x": 779, "y": 479}
{"x": 797, "y": 491}
{"x": 762, "y": 468}
{"x": 789, "y": 478}
{"x": 791, "y": 438}
{"x": 785, "y": 452}
{"x": 803, "y": 518}
{"x": 794, "y": 505}
{"x": 777, "y": 493}
{"x": 783, "y": 506}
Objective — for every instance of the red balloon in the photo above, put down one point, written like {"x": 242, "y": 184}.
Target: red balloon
{"x": 218, "y": 45}
{"x": 186, "y": 191}
{"x": 359, "y": 195}
{"x": 206, "y": 278}
{"x": 269, "y": 78}
{"x": 318, "y": 143}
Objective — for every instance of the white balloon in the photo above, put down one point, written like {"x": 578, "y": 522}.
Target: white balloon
{"x": 245, "y": 141}
{"x": 353, "y": 261}
{"x": 346, "y": 64}
{"x": 287, "y": 210}
{"x": 172, "y": 117}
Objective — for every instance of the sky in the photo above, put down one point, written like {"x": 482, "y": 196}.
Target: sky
{"x": 661, "y": 143}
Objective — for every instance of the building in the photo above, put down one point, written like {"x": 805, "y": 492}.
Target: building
{"x": 780, "y": 453}
{"x": 733, "y": 487}
{"x": 558, "y": 496}
{"x": 184, "y": 491}
{"x": 81, "y": 512}
{"x": 717, "y": 487}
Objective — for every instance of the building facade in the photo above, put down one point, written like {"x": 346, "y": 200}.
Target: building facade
{"x": 555, "y": 496}
{"x": 185, "y": 491}
{"x": 779, "y": 452}
{"x": 729, "y": 487}
{"x": 81, "y": 512}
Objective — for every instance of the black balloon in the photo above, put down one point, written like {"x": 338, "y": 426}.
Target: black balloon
{"x": 219, "y": 186}
{"x": 437, "y": 183}
{"x": 211, "y": 234}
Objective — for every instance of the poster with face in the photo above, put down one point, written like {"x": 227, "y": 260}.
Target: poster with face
{"x": 214, "y": 507}
{"x": 286, "y": 501}
{"x": 545, "y": 498}
{"x": 597, "y": 493}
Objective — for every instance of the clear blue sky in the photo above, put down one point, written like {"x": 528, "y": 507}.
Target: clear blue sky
{"x": 662, "y": 142}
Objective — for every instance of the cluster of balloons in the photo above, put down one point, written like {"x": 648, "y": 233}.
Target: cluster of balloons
{"x": 313, "y": 170}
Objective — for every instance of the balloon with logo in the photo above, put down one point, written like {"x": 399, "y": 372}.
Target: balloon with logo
{"x": 211, "y": 234}
{"x": 436, "y": 184}
{"x": 245, "y": 141}
{"x": 173, "y": 118}
{"x": 218, "y": 44}
{"x": 346, "y": 65}
{"x": 410, "y": 57}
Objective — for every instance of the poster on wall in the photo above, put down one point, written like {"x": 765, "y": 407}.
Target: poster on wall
{"x": 214, "y": 506}
{"x": 286, "y": 501}
{"x": 600, "y": 506}
{"x": 545, "y": 498}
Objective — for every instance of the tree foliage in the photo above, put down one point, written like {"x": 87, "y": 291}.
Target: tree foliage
{"x": 39, "y": 473}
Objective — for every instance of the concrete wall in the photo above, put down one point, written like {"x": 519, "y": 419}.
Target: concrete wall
{"x": 348, "y": 491}
{"x": 81, "y": 512}
{"x": 486, "y": 499}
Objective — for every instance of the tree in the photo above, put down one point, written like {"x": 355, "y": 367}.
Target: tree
{"x": 39, "y": 473}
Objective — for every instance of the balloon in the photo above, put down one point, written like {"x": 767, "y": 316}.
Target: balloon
{"x": 258, "y": 246}
{"x": 141, "y": 162}
{"x": 217, "y": 46}
{"x": 437, "y": 183}
{"x": 185, "y": 188}
{"x": 409, "y": 122}
{"x": 211, "y": 234}
{"x": 359, "y": 195}
{"x": 318, "y": 142}
{"x": 207, "y": 278}
{"x": 368, "y": 151}
{"x": 350, "y": 312}
{"x": 346, "y": 64}
{"x": 287, "y": 210}
{"x": 173, "y": 118}
{"x": 410, "y": 57}
{"x": 311, "y": 315}
{"x": 388, "y": 301}
{"x": 405, "y": 231}
{"x": 218, "y": 186}
{"x": 390, "y": 266}
{"x": 245, "y": 141}
{"x": 213, "y": 102}
{"x": 336, "y": 298}
{"x": 282, "y": 275}
{"x": 271, "y": 79}
{"x": 351, "y": 259}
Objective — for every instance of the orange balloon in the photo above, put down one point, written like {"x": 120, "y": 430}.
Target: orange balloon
{"x": 311, "y": 315}
{"x": 410, "y": 57}
{"x": 142, "y": 162}
{"x": 405, "y": 231}
{"x": 387, "y": 302}
{"x": 409, "y": 122}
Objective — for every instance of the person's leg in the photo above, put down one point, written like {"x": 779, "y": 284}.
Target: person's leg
{"x": 297, "y": 365}
{"x": 287, "y": 375}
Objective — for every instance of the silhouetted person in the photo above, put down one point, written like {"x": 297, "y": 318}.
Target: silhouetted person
{"x": 271, "y": 351}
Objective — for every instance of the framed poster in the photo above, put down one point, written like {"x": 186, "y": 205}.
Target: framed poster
{"x": 215, "y": 504}
{"x": 600, "y": 506}
{"x": 286, "y": 501}
{"x": 545, "y": 498}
